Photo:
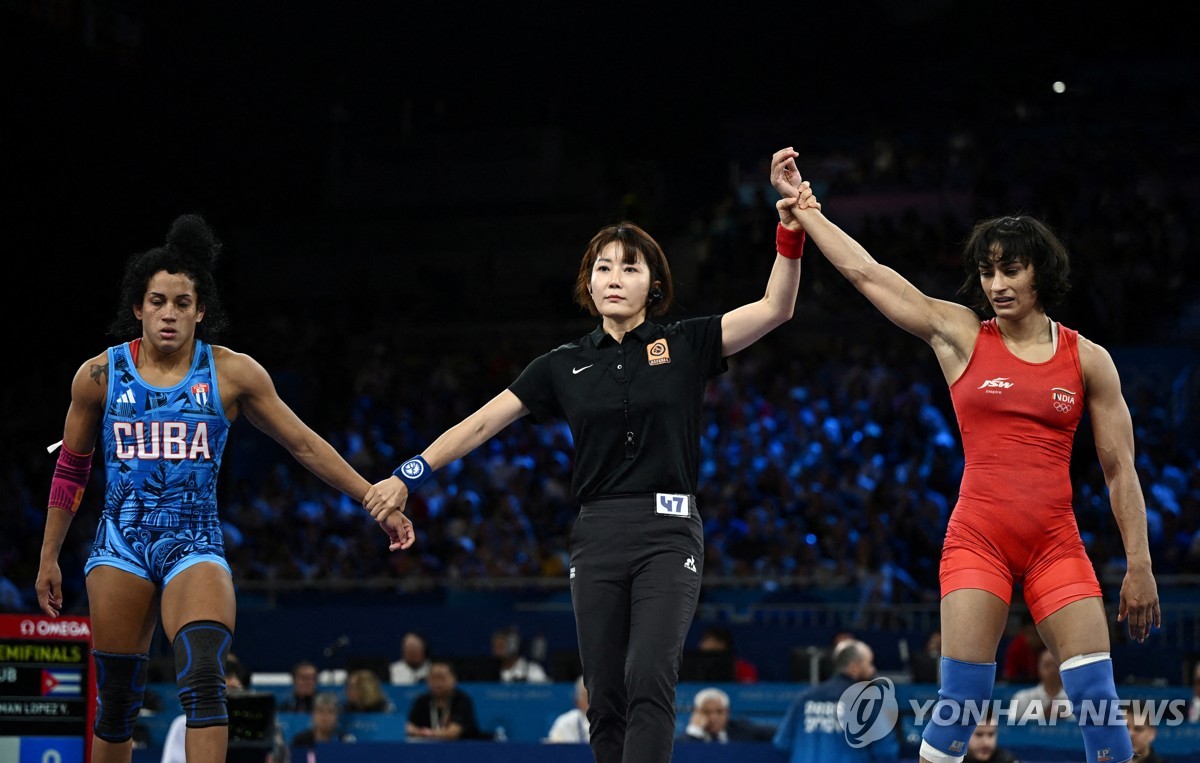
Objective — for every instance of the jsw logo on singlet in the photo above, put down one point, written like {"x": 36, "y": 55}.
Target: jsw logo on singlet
{"x": 150, "y": 441}
{"x": 1001, "y": 382}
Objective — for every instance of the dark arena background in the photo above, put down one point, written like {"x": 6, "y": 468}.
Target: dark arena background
{"x": 404, "y": 191}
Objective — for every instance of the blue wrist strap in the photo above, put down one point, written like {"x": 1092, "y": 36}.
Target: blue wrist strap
{"x": 414, "y": 472}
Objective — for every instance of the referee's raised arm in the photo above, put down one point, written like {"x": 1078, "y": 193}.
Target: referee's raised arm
{"x": 745, "y": 325}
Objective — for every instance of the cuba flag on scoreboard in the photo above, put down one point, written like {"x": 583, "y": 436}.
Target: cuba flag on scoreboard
{"x": 62, "y": 683}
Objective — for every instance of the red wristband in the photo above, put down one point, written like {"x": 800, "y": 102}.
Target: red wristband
{"x": 789, "y": 243}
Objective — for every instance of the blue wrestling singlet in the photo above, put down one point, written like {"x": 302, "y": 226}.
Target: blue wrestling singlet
{"x": 162, "y": 453}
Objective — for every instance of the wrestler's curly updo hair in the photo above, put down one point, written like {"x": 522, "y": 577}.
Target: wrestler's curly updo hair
{"x": 192, "y": 249}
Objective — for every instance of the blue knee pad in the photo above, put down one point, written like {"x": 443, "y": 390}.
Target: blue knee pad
{"x": 200, "y": 651}
{"x": 965, "y": 691}
{"x": 1088, "y": 680}
{"x": 120, "y": 686}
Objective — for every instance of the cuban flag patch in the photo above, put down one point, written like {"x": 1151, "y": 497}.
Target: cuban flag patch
{"x": 200, "y": 393}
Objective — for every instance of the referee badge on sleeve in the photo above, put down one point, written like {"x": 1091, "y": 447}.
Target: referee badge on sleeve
{"x": 658, "y": 353}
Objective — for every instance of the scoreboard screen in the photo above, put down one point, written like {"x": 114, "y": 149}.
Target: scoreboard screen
{"x": 46, "y": 689}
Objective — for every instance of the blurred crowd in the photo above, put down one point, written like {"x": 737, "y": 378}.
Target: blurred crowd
{"x": 838, "y": 467}
{"x": 830, "y": 453}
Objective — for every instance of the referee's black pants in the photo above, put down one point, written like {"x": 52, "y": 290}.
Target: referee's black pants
{"x": 635, "y": 581}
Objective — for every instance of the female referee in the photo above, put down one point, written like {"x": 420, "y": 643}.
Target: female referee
{"x": 631, "y": 392}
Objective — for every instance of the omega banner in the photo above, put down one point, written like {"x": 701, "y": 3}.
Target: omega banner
{"x": 47, "y": 689}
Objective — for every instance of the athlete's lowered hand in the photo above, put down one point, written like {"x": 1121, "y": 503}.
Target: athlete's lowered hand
{"x": 49, "y": 587}
{"x": 1139, "y": 603}
{"x": 384, "y": 497}
{"x": 399, "y": 529}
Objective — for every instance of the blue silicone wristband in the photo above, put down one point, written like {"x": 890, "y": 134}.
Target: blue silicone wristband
{"x": 414, "y": 472}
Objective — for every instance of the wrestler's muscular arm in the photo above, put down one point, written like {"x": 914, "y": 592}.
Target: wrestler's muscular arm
{"x": 88, "y": 389}
{"x": 949, "y": 328}
{"x": 1113, "y": 432}
{"x": 246, "y": 387}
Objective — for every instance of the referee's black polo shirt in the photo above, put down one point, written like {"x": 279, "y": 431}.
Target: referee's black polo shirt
{"x": 633, "y": 407}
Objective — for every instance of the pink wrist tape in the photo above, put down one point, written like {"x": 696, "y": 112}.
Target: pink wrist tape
{"x": 70, "y": 478}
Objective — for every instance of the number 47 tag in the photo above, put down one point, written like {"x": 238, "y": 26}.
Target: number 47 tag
{"x": 672, "y": 504}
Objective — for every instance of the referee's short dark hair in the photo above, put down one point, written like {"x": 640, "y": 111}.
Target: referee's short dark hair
{"x": 633, "y": 241}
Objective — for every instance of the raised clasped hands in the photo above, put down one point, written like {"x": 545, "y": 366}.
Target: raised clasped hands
{"x": 795, "y": 193}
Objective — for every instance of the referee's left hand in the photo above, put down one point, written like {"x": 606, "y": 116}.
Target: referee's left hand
{"x": 384, "y": 497}
{"x": 1139, "y": 604}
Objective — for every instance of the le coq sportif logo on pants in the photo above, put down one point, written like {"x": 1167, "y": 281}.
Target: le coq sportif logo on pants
{"x": 867, "y": 711}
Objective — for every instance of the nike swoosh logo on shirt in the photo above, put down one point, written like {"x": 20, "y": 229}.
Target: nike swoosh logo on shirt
{"x": 577, "y": 370}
